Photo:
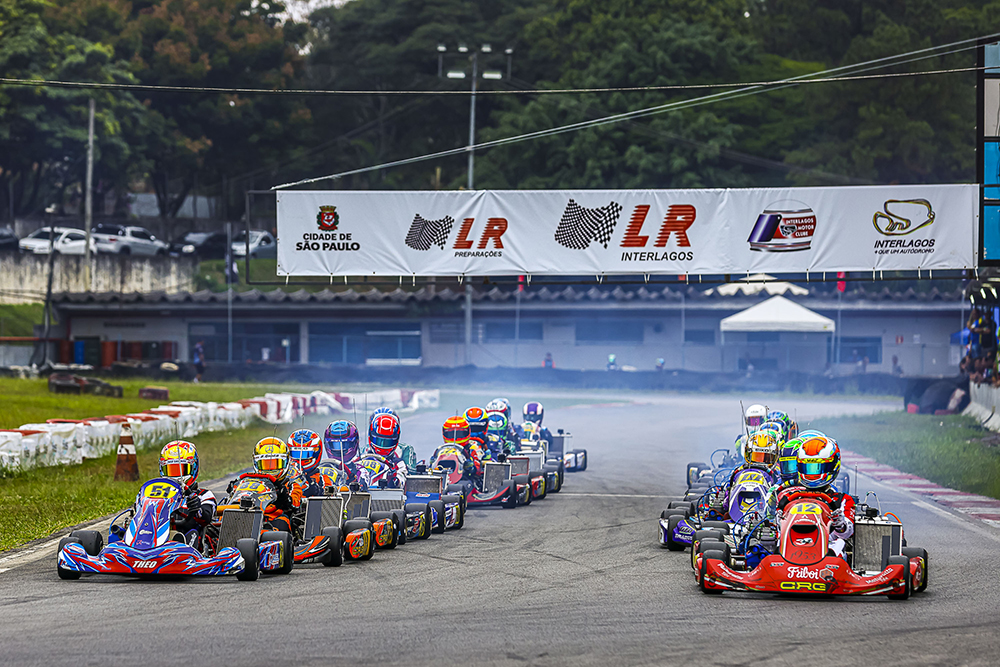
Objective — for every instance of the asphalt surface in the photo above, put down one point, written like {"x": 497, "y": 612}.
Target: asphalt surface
{"x": 576, "y": 579}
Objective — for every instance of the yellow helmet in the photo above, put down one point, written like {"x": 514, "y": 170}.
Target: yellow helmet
{"x": 271, "y": 457}
{"x": 179, "y": 460}
{"x": 761, "y": 448}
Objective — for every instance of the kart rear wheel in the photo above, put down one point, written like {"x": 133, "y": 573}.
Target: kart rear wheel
{"x": 511, "y": 501}
{"x": 917, "y": 552}
{"x": 382, "y": 516}
{"x": 69, "y": 575}
{"x": 694, "y": 472}
{"x": 336, "y": 555}
{"x": 399, "y": 516}
{"x": 460, "y": 508}
{"x": 437, "y": 507}
{"x": 251, "y": 561}
{"x": 687, "y": 506}
{"x": 425, "y": 509}
{"x": 716, "y": 525}
{"x": 907, "y": 580}
{"x": 91, "y": 540}
{"x": 671, "y": 526}
{"x": 523, "y": 480}
{"x": 535, "y": 474}
{"x": 667, "y": 513}
{"x": 705, "y": 557}
{"x": 287, "y": 552}
{"x": 713, "y": 545}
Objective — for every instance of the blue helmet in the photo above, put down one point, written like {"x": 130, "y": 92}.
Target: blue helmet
{"x": 341, "y": 441}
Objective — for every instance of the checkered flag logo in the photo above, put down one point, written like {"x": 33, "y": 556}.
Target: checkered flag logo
{"x": 579, "y": 226}
{"x": 425, "y": 233}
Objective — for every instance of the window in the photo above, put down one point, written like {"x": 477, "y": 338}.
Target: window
{"x": 140, "y": 234}
{"x": 265, "y": 240}
{"x": 503, "y": 332}
{"x": 74, "y": 236}
{"x": 281, "y": 339}
{"x": 699, "y": 336}
{"x": 41, "y": 235}
{"x": 359, "y": 342}
{"x": 855, "y": 348}
{"x": 609, "y": 331}
{"x": 763, "y": 336}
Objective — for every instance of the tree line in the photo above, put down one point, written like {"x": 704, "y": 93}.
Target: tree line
{"x": 898, "y": 130}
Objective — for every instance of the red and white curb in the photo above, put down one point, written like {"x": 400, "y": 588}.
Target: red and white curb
{"x": 978, "y": 507}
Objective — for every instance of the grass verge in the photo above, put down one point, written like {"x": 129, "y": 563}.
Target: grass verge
{"x": 951, "y": 450}
{"x": 37, "y": 502}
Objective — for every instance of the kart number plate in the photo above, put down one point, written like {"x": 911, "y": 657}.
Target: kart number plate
{"x": 159, "y": 491}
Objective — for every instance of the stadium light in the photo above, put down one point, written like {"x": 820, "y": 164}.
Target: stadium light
{"x": 486, "y": 48}
{"x": 493, "y": 75}
{"x": 462, "y": 48}
{"x": 456, "y": 74}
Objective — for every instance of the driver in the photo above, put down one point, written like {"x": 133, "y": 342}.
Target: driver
{"x": 503, "y": 405}
{"x": 341, "y": 444}
{"x": 533, "y": 412}
{"x": 500, "y": 427}
{"x": 478, "y": 425}
{"x": 791, "y": 428}
{"x": 271, "y": 457}
{"x": 306, "y": 448}
{"x": 755, "y": 417}
{"x": 455, "y": 432}
{"x": 818, "y": 464}
{"x": 179, "y": 462}
{"x": 383, "y": 440}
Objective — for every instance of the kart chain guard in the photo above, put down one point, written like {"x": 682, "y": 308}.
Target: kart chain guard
{"x": 322, "y": 513}
{"x": 238, "y": 524}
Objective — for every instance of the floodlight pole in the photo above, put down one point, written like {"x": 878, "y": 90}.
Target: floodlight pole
{"x": 472, "y": 117}
{"x": 88, "y": 199}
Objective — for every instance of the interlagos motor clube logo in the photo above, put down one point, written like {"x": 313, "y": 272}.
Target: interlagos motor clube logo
{"x": 329, "y": 236}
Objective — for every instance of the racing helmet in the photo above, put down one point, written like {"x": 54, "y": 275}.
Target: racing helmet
{"x": 818, "y": 462}
{"x": 755, "y": 417}
{"x": 811, "y": 433}
{"x": 385, "y": 411}
{"x": 383, "y": 434}
{"x": 780, "y": 416}
{"x": 179, "y": 461}
{"x": 499, "y": 405}
{"x": 476, "y": 416}
{"x": 778, "y": 428}
{"x": 761, "y": 449}
{"x": 305, "y": 448}
{"x": 455, "y": 431}
{"x": 270, "y": 457}
{"x": 496, "y": 423}
{"x": 533, "y": 412}
{"x": 341, "y": 440}
{"x": 788, "y": 460}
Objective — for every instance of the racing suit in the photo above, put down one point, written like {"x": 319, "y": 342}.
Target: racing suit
{"x": 198, "y": 512}
{"x": 396, "y": 479}
{"x": 841, "y": 519}
{"x": 283, "y": 514}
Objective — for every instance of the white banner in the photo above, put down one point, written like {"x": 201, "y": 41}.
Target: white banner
{"x": 594, "y": 232}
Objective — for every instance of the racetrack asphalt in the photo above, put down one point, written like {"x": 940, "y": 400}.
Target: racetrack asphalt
{"x": 576, "y": 579}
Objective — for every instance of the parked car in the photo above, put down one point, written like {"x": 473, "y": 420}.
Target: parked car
{"x": 64, "y": 240}
{"x": 125, "y": 240}
{"x": 206, "y": 245}
{"x": 8, "y": 239}
{"x": 262, "y": 244}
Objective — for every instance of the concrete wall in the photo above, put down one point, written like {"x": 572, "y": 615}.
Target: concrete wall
{"x": 23, "y": 276}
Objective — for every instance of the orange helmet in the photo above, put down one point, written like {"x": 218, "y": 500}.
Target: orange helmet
{"x": 456, "y": 430}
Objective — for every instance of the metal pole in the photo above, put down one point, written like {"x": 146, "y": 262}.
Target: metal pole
{"x": 88, "y": 199}
{"x": 48, "y": 293}
{"x": 683, "y": 325}
{"x": 839, "y": 333}
{"x": 468, "y": 324}
{"x": 229, "y": 290}
{"x": 517, "y": 323}
{"x": 472, "y": 117}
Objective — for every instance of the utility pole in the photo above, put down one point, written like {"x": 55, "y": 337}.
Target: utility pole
{"x": 472, "y": 117}
{"x": 229, "y": 288}
{"x": 468, "y": 323}
{"x": 88, "y": 199}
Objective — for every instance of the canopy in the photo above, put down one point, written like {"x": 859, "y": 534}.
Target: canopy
{"x": 756, "y": 284}
{"x": 778, "y": 314}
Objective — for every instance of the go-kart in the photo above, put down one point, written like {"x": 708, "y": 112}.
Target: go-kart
{"x": 520, "y": 469}
{"x": 146, "y": 545}
{"x": 536, "y": 449}
{"x": 245, "y": 513}
{"x": 495, "y": 486}
{"x": 382, "y": 529}
{"x": 806, "y": 564}
{"x": 447, "y": 509}
{"x": 718, "y": 508}
{"x": 574, "y": 460}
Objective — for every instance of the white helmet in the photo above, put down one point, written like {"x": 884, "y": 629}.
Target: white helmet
{"x": 755, "y": 417}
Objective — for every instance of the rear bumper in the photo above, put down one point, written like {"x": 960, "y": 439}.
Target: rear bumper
{"x": 172, "y": 558}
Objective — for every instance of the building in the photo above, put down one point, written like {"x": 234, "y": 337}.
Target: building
{"x": 579, "y": 326}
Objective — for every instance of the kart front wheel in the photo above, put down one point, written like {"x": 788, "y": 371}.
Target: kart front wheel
{"x": 399, "y": 516}
{"x": 251, "y": 563}
{"x": 705, "y": 557}
{"x": 336, "y": 555}
{"x": 917, "y": 552}
{"x": 69, "y": 575}
{"x": 672, "y": 544}
{"x": 907, "y": 580}
{"x": 91, "y": 540}
{"x": 287, "y": 552}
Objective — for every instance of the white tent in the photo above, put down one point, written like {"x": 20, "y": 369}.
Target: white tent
{"x": 778, "y": 314}
{"x": 755, "y": 284}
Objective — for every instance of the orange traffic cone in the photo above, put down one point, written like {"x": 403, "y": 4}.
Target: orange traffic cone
{"x": 126, "y": 466}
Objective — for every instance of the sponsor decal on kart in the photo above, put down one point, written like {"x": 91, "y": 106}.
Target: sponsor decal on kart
{"x": 270, "y": 555}
{"x": 357, "y": 543}
{"x": 806, "y": 508}
{"x": 795, "y": 572}
{"x": 383, "y": 532}
{"x": 812, "y": 586}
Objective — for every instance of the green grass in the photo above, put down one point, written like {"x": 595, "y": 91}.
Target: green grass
{"x": 20, "y": 319}
{"x": 951, "y": 450}
{"x": 29, "y": 401}
{"x": 37, "y": 502}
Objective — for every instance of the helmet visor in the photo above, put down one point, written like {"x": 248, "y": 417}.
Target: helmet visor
{"x": 383, "y": 442}
{"x": 455, "y": 434}
{"x": 269, "y": 464}
{"x": 303, "y": 453}
{"x": 789, "y": 466}
{"x": 755, "y": 421}
{"x": 814, "y": 468}
{"x": 759, "y": 457}
{"x": 176, "y": 469}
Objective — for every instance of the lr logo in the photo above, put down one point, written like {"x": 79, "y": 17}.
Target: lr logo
{"x": 678, "y": 219}
{"x": 495, "y": 227}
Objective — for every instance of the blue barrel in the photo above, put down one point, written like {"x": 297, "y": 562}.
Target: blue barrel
{"x": 78, "y": 352}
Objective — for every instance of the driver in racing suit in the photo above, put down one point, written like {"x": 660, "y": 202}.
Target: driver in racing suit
{"x": 271, "y": 458}
{"x": 499, "y": 426}
{"x": 383, "y": 440}
{"x": 179, "y": 462}
{"x": 533, "y": 413}
{"x": 455, "y": 432}
{"x": 305, "y": 448}
{"x": 502, "y": 405}
{"x": 818, "y": 463}
{"x": 478, "y": 426}
{"x": 341, "y": 447}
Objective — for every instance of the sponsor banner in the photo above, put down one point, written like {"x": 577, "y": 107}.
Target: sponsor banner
{"x": 594, "y": 232}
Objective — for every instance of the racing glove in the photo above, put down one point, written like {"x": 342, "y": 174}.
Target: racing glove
{"x": 193, "y": 504}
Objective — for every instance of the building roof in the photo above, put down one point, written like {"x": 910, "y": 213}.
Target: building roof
{"x": 778, "y": 314}
{"x": 755, "y": 284}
